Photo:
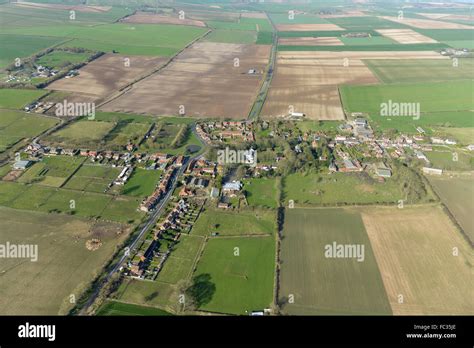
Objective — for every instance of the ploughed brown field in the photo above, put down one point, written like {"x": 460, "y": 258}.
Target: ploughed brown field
{"x": 310, "y": 41}
{"x": 311, "y": 55}
{"x": 427, "y": 23}
{"x": 424, "y": 261}
{"x": 203, "y": 80}
{"x": 151, "y": 18}
{"x": 310, "y": 86}
{"x": 308, "y": 27}
{"x": 406, "y": 36}
{"x": 107, "y": 74}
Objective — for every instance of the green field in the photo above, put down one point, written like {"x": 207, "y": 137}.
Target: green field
{"x": 16, "y": 125}
{"x": 142, "y": 183}
{"x": 92, "y": 178}
{"x": 249, "y": 24}
{"x": 444, "y": 158}
{"x": 59, "y": 59}
{"x": 236, "y": 284}
{"x": 261, "y": 192}
{"x": 232, "y": 36}
{"x": 443, "y": 103}
{"x": 152, "y": 294}
{"x": 310, "y": 283}
{"x": 462, "y": 135}
{"x": 339, "y": 188}
{"x": 53, "y": 200}
{"x": 84, "y": 134}
{"x": 136, "y": 39}
{"x": 65, "y": 267}
{"x": 18, "y": 98}
{"x": 114, "y": 308}
{"x": 421, "y": 70}
{"x": 52, "y": 171}
{"x": 458, "y": 195}
{"x": 123, "y": 132}
{"x": 179, "y": 264}
{"x": 245, "y": 222}
{"x": 22, "y": 46}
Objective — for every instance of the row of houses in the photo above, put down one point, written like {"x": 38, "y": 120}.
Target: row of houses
{"x": 150, "y": 202}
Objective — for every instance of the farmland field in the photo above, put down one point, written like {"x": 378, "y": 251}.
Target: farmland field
{"x": 58, "y": 58}
{"x": 52, "y": 171}
{"x": 458, "y": 195}
{"x": 446, "y": 102}
{"x": 236, "y": 284}
{"x": 445, "y": 159}
{"x": 232, "y": 36}
{"x": 81, "y": 134}
{"x": 230, "y": 224}
{"x": 203, "y": 73}
{"x": 261, "y": 192}
{"x": 325, "y": 286}
{"x": 128, "y": 39}
{"x": 414, "y": 251}
{"x": 142, "y": 183}
{"x": 92, "y": 178}
{"x": 64, "y": 265}
{"x": 18, "y": 98}
{"x": 310, "y": 86}
{"x": 114, "y": 308}
{"x": 16, "y": 125}
{"x": 22, "y": 46}
{"x": 421, "y": 70}
{"x": 107, "y": 74}
{"x": 320, "y": 189}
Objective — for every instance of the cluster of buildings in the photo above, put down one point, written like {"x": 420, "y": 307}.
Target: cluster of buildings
{"x": 226, "y": 131}
{"x": 148, "y": 262}
{"x": 39, "y": 107}
{"x": 150, "y": 202}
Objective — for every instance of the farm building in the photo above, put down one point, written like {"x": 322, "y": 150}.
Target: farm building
{"x": 21, "y": 165}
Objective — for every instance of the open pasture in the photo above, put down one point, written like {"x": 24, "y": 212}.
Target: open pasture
{"x": 420, "y": 270}
{"x": 92, "y": 178}
{"x": 64, "y": 267}
{"x": 457, "y": 193}
{"x": 311, "y": 86}
{"x": 142, "y": 183}
{"x": 205, "y": 80}
{"x": 324, "y": 189}
{"x": 313, "y": 284}
{"x": 82, "y": 133}
{"x": 18, "y": 98}
{"x": 22, "y": 46}
{"x": 443, "y": 102}
{"x": 246, "y": 222}
{"x": 52, "y": 171}
{"x": 235, "y": 275}
{"x": 16, "y": 125}
{"x": 421, "y": 70}
{"x": 108, "y": 74}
